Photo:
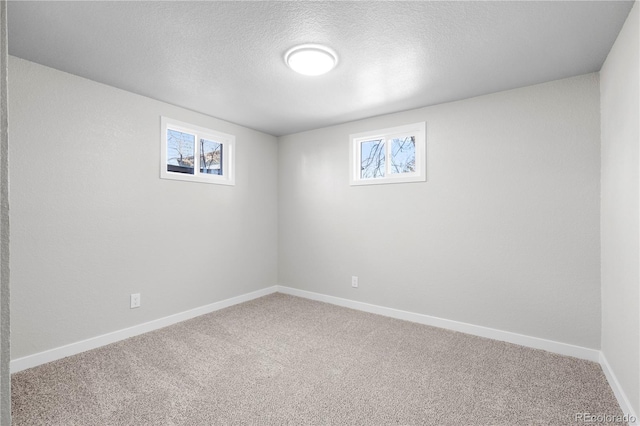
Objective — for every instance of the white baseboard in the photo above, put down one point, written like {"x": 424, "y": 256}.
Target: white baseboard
{"x": 476, "y": 330}
{"x": 625, "y": 406}
{"x": 105, "y": 339}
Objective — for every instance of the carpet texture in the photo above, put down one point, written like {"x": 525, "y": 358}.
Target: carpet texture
{"x": 285, "y": 360}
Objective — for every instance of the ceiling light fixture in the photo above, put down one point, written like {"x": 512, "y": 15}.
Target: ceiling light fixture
{"x": 311, "y": 59}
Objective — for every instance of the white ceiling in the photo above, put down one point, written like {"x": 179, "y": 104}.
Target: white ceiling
{"x": 225, "y": 59}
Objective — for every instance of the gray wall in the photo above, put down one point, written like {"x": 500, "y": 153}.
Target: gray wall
{"x": 504, "y": 233}
{"x": 92, "y": 221}
{"x": 5, "y": 341}
{"x": 620, "y": 220}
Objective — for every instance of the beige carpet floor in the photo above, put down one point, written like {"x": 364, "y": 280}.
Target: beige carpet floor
{"x": 285, "y": 360}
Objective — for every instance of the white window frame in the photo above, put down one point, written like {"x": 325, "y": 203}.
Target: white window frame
{"x": 228, "y": 153}
{"x": 355, "y": 153}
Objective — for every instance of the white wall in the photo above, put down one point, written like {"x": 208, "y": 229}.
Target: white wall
{"x": 504, "y": 233}
{"x": 5, "y": 342}
{"x": 620, "y": 220}
{"x": 92, "y": 221}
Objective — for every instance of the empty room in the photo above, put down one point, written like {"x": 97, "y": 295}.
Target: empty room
{"x": 327, "y": 213}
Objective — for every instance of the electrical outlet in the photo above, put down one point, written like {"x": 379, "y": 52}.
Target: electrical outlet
{"x": 135, "y": 300}
{"x": 354, "y": 282}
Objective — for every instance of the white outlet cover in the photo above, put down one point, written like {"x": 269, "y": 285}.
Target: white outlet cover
{"x": 135, "y": 300}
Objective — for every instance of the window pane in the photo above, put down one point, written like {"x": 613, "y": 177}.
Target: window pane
{"x": 372, "y": 159}
{"x": 403, "y": 155}
{"x": 210, "y": 157}
{"x": 180, "y": 151}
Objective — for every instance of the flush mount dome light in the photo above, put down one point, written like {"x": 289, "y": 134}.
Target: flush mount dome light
{"x": 311, "y": 59}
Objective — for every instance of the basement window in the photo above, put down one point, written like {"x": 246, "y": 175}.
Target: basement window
{"x": 196, "y": 154}
{"x": 394, "y": 155}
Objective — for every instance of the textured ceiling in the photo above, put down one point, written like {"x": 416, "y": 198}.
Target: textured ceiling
{"x": 225, "y": 59}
